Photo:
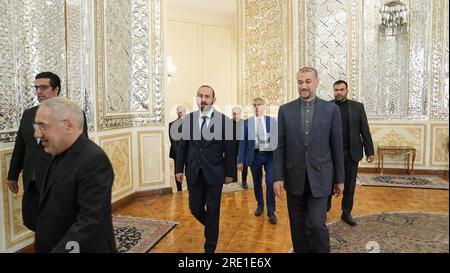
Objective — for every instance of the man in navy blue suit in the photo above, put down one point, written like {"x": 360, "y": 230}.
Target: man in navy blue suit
{"x": 309, "y": 159}
{"x": 206, "y": 145}
{"x": 256, "y": 150}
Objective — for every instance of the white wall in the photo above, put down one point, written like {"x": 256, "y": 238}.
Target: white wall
{"x": 205, "y": 52}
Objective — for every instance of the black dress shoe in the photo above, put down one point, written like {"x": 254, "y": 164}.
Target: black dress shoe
{"x": 244, "y": 185}
{"x": 349, "y": 220}
{"x": 258, "y": 212}
{"x": 272, "y": 218}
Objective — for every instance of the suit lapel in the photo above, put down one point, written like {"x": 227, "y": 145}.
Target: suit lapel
{"x": 65, "y": 161}
{"x": 51, "y": 179}
{"x": 316, "y": 119}
{"x": 297, "y": 118}
{"x": 350, "y": 114}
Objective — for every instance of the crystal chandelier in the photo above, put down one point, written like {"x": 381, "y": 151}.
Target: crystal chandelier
{"x": 394, "y": 18}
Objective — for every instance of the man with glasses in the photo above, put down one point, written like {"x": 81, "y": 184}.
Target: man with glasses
{"x": 75, "y": 199}
{"x": 28, "y": 155}
{"x": 256, "y": 150}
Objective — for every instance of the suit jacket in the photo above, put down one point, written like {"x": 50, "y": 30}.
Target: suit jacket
{"x": 28, "y": 155}
{"x": 360, "y": 136}
{"x": 322, "y": 158}
{"x": 75, "y": 203}
{"x": 247, "y": 144}
{"x": 215, "y": 155}
{"x": 173, "y": 142}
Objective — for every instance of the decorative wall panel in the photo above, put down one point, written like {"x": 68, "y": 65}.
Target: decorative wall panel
{"x": 29, "y": 45}
{"x": 330, "y": 35}
{"x": 439, "y": 145}
{"x": 118, "y": 149}
{"x": 390, "y": 134}
{"x": 79, "y": 32}
{"x": 394, "y": 75}
{"x": 15, "y": 231}
{"x": 266, "y": 49}
{"x": 129, "y": 63}
{"x": 439, "y": 63}
{"x": 151, "y": 158}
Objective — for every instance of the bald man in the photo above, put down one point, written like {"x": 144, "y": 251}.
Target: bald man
{"x": 181, "y": 113}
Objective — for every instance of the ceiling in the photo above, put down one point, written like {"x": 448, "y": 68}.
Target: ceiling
{"x": 220, "y": 9}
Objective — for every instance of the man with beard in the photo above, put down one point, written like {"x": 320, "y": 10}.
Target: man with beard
{"x": 308, "y": 160}
{"x": 356, "y": 136}
{"x": 207, "y": 144}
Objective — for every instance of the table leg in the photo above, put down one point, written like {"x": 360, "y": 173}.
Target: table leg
{"x": 379, "y": 158}
{"x": 412, "y": 163}
{"x": 407, "y": 163}
{"x": 382, "y": 163}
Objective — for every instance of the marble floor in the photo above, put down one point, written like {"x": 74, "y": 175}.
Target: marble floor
{"x": 241, "y": 231}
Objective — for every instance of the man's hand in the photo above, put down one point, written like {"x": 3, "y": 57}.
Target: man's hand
{"x": 278, "y": 187}
{"x": 338, "y": 189}
{"x": 240, "y": 167}
{"x": 370, "y": 158}
{"x": 228, "y": 180}
{"x": 13, "y": 186}
{"x": 179, "y": 177}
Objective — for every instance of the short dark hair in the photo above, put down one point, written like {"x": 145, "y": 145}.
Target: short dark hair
{"x": 205, "y": 85}
{"x": 55, "y": 81}
{"x": 340, "y": 82}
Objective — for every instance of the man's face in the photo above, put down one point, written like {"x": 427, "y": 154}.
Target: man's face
{"x": 205, "y": 98}
{"x": 307, "y": 85}
{"x": 44, "y": 90}
{"x": 258, "y": 108}
{"x": 340, "y": 92}
{"x": 236, "y": 114}
{"x": 53, "y": 133}
{"x": 181, "y": 112}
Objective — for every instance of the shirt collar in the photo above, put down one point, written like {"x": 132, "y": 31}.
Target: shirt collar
{"x": 313, "y": 101}
{"x": 209, "y": 114}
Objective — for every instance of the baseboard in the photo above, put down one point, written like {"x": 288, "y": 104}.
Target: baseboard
{"x": 148, "y": 193}
{"x": 121, "y": 202}
{"x": 440, "y": 173}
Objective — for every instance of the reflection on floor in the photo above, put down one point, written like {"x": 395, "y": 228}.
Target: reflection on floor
{"x": 241, "y": 231}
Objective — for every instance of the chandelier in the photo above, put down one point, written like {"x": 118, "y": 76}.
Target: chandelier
{"x": 394, "y": 18}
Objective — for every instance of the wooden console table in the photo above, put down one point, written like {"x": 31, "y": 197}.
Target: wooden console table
{"x": 406, "y": 150}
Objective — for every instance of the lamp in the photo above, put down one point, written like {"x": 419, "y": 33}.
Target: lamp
{"x": 171, "y": 68}
{"x": 394, "y": 18}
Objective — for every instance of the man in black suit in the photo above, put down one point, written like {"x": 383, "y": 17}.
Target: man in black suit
{"x": 181, "y": 112}
{"x": 75, "y": 201}
{"x": 356, "y": 136}
{"x": 238, "y": 123}
{"x": 308, "y": 160}
{"x": 206, "y": 142}
{"x": 28, "y": 155}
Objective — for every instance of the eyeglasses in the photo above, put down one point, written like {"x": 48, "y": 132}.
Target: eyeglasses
{"x": 40, "y": 87}
{"x": 42, "y": 126}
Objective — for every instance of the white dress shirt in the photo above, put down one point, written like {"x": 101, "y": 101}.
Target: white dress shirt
{"x": 208, "y": 119}
{"x": 263, "y": 118}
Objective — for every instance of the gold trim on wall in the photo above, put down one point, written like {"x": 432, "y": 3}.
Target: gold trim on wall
{"x": 394, "y": 126}
{"x": 140, "y": 159}
{"x": 121, "y": 136}
{"x": 11, "y": 239}
{"x": 433, "y": 147}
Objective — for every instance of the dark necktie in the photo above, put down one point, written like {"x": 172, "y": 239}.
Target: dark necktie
{"x": 201, "y": 128}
